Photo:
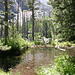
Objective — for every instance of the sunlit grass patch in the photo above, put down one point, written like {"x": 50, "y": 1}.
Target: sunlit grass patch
{"x": 64, "y": 65}
{"x": 5, "y": 73}
{"x": 8, "y": 73}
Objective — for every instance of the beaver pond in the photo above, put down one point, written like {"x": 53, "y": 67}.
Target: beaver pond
{"x": 31, "y": 59}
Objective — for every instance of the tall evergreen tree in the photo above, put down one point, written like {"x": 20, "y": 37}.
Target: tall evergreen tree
{"x": 64, "y": 11}
{"x": 6, "y": 6}
{"x": 31, "y": 4}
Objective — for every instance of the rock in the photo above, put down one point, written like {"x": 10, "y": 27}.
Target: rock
{"x": 28, "y": 68}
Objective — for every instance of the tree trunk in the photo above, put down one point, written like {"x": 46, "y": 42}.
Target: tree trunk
{"x": 1, "y": 29}
{"x": 46, "y": 30}
{"x": 36, "y": 27}
{"x": 6, "y": 20}
{"x": 27, "y": 28}
{"x": 22, "y": 20}
{"x": 18, "y": 18}
{"x": 33, "y": 20}
{"x": 24, "y": 26}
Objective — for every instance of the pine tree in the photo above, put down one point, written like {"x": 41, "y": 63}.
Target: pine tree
{"x": 6, "y": 5}
{"x": 64, "y": 13}
{"x": 31, "y": 4}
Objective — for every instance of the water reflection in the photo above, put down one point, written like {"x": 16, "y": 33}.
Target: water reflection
{"x": 29, "y": 60}
{"x": 41, "y": 55}
{"x": 36, "y": 57}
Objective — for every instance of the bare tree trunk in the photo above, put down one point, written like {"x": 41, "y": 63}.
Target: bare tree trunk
{"x": 1, "y": 29}
{"x": 27, "y": 28}
{"x": 36, "y": 26}
{"x": 22, "y": 19}
{"x": 46, "y": 30}
{"x": 18, "y": 18}
{"x": 24, "y": 26}
{"x": 33, "y": 20}
{"x": 6, "y": 20}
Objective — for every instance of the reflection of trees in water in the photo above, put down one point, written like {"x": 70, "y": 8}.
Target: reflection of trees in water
{"x": 7, "y": 62}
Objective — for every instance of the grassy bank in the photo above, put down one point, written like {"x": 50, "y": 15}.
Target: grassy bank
{"x": 64, "y": 65}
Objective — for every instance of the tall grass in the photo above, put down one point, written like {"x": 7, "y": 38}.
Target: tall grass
{"x": 64, "y": 65}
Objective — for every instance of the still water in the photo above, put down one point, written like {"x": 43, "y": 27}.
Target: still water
{"x": 36, "y": 57}
{"x": 31, "y": 59}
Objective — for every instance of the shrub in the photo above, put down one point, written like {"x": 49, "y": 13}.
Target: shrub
{"x": 39, "y": 42}
{"x": 4, "y": 73}
{"x": 18, "y": 43}
{"x": 4, "y": 47}
{"x": 15, "y": 43}
{"x": 54, "y": 43}
{"x": 67, "y": 44}
{"x": 64, "y": 65}
{"x": 73, "y": 45}
{"x": 28, "y": 43}
{"x": 8, "y": 73}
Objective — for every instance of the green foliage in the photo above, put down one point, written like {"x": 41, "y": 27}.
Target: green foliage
{"x": 67, "y": 43}
{"x": 8, "y": 73}
{"x": 63, "y": 17}
{"x": 73, "y": 42}
{"x": 39, "y": 42}
{"x": 43, "y": 70}
{"x": 18, "y": 43}
{"x": 4, "y": 47}
{"x": 28, "y": 43}
{"x": 53, "y": 43}
{"x": 37, "y": 36}
{"x": 15, "y": 43}
{"x": 4, "y": 73}
{"x": 64, "y": 65}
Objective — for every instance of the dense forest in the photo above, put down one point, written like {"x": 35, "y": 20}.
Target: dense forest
{"x": 27, "y": 24}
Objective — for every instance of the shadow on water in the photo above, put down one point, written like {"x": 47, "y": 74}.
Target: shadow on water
{"x": 9, "y": 59}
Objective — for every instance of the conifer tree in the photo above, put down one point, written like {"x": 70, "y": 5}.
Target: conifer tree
{"x": 32, "y": 6}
